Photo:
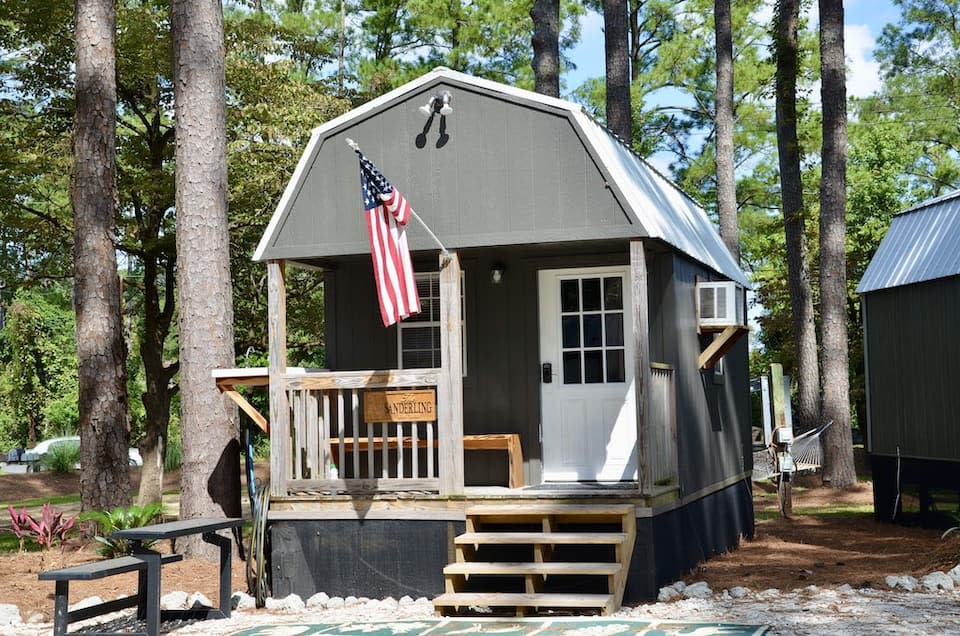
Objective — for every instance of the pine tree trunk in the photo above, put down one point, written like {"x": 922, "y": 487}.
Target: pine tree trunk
{"x": 210, "y": 475}
{"x": 617, "y": 54}
{"x": 798, "y": 269}
{"x": 104, "y": 434}
{"x": 838, "y": 469}
{"x": 546, "y": 46}
{"x": 726, "y": 183}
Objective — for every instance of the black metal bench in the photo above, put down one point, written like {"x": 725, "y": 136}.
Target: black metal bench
{"x": 62, "y": 617}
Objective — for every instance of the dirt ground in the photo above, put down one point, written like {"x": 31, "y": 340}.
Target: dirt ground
{"x": 827, "y": 550}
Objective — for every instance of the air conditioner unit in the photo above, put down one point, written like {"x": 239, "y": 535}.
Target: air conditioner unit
{"x": 720, "y": 305}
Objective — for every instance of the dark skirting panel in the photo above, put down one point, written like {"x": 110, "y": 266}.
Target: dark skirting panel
{"x": 683, "y": 537}
{"x": 374, "y": 558}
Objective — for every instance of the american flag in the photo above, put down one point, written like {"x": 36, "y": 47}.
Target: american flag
{"x": 387, "y": 213}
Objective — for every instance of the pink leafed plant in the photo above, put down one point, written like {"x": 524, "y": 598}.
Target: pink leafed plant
{"x": 51, "y": 528}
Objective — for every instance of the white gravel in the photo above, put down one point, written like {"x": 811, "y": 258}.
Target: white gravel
{"x": 809, "y": 611}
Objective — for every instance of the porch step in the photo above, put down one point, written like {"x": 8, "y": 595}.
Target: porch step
{"x": 564, "y": 513}
{"x": 540, "y": 509}
{"x": 466, "y": 600}
{"x": 540, "y": 538}
{"x": 554, "y": 530}
{"x": 471, "y": 568}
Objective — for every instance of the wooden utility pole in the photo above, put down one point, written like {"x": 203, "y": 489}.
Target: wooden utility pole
{"x": 778, "y": 398}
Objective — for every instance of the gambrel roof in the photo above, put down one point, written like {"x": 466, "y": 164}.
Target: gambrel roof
{"x": 506, "y": 167}
{"x": 921, "y": 244}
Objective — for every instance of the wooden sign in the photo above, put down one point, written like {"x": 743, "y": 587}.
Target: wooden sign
{"x": 400, "y": 406}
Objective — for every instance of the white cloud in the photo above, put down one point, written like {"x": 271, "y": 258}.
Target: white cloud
{"x": 863, "y": 72}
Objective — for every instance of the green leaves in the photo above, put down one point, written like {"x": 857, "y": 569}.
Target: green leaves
{"x": 110, "y": 521}
{"x": 38, "y": 383}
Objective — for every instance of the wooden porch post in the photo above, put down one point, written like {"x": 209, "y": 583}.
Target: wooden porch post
{"x": 641, "y": 359}
{"x": 450, "y": 382}
{"x": 279, "y": 408}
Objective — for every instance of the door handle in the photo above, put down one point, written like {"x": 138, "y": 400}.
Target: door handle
{"x": 546, "y": 372}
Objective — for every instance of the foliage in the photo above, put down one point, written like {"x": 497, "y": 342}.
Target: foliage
{"x": 174, "y": 455}
{"x": 920, "y": 60}
{"x": 51, "y": 528}
{"x": 109, "y": 522}
{"x": 38, "y": 381}
{"x": 398, "y": 41}
{"x": 61, "y": 458}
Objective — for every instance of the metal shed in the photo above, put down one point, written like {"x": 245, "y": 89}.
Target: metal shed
{"x": 910, "y": 303}
{"x": 567, "y": 328}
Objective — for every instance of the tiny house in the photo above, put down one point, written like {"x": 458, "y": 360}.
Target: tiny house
{"x": 910, "y": 296}
{"x": 578, "y": 366}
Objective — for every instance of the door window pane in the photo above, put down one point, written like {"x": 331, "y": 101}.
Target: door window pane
{"x": 614, "y": 330}
{"x": 571, "y": 367}
{"x": 569, "y": 295}
{"x": 592, "y": 331}
{"x": 592, "y": 366}
{"x": 615, "y": 366}
{"x": 612, "y": 293}
{"x": 571, "y": 331}
{"x": 591, "y": 294}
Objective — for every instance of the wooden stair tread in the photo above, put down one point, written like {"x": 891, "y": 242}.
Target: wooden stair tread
{"x": 553, "y": 567}
{"x": 541, "y": 509}
{"x": 546, "y": 538}
{"x": 498, "y": 599}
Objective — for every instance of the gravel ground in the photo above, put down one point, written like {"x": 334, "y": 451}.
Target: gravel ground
{"x": 809, "y": 611}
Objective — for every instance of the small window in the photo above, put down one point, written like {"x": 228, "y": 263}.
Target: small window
{"x": 418, "y": 337}
{"x": 718, "y": 368}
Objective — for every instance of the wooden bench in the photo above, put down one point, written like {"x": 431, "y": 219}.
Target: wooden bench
{"x": 62, "y": 617}
{"x": 509, "y": 442}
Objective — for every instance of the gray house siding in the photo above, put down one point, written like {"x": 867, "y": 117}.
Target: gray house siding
{"x": 522, "y": 176}
{"x": 713, "y": 414}
{"x": 912, "y": 345}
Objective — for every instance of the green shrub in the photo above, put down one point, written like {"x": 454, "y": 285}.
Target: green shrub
{"x": 174, "y": 457}
{"x": 61, "y": 458}
{"x": 120, "y": 519}
{"x": 261, "y": 447}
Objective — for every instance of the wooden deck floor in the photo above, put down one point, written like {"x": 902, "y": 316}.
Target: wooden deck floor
{"x": 408, "y": 505}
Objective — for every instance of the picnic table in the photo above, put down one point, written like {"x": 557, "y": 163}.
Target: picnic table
{"x": 205, "y": 526}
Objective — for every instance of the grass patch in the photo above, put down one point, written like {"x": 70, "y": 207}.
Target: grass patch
{"x": 831, "y": 510}
{"x": 39, "y": 501}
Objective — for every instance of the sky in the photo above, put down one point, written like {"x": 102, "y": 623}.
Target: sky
{"x": 864, "y": 21}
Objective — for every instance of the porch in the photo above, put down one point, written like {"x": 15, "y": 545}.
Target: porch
{"x": 375, "y": 432}
{"x": 335, "y": 454}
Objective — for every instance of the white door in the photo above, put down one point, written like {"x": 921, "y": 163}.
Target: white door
{"x": 588, "y": 414}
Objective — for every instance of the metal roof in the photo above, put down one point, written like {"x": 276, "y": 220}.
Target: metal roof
{"x": 655, "y": 204}
{"x": 922, "y": 243}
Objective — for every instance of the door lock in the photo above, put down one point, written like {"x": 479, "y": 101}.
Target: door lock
{"x": 546, "y": 372}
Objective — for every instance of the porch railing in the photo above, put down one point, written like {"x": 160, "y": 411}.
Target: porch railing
{"x": 334, "y": 448}
{"x": 663, "y": 426}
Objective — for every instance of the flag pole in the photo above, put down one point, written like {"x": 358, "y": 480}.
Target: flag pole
{"x": 443, "y": 251}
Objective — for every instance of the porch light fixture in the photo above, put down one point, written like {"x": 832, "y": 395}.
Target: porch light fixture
{"x": 439, "y": 103}
{"x": 496, "y": 273}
